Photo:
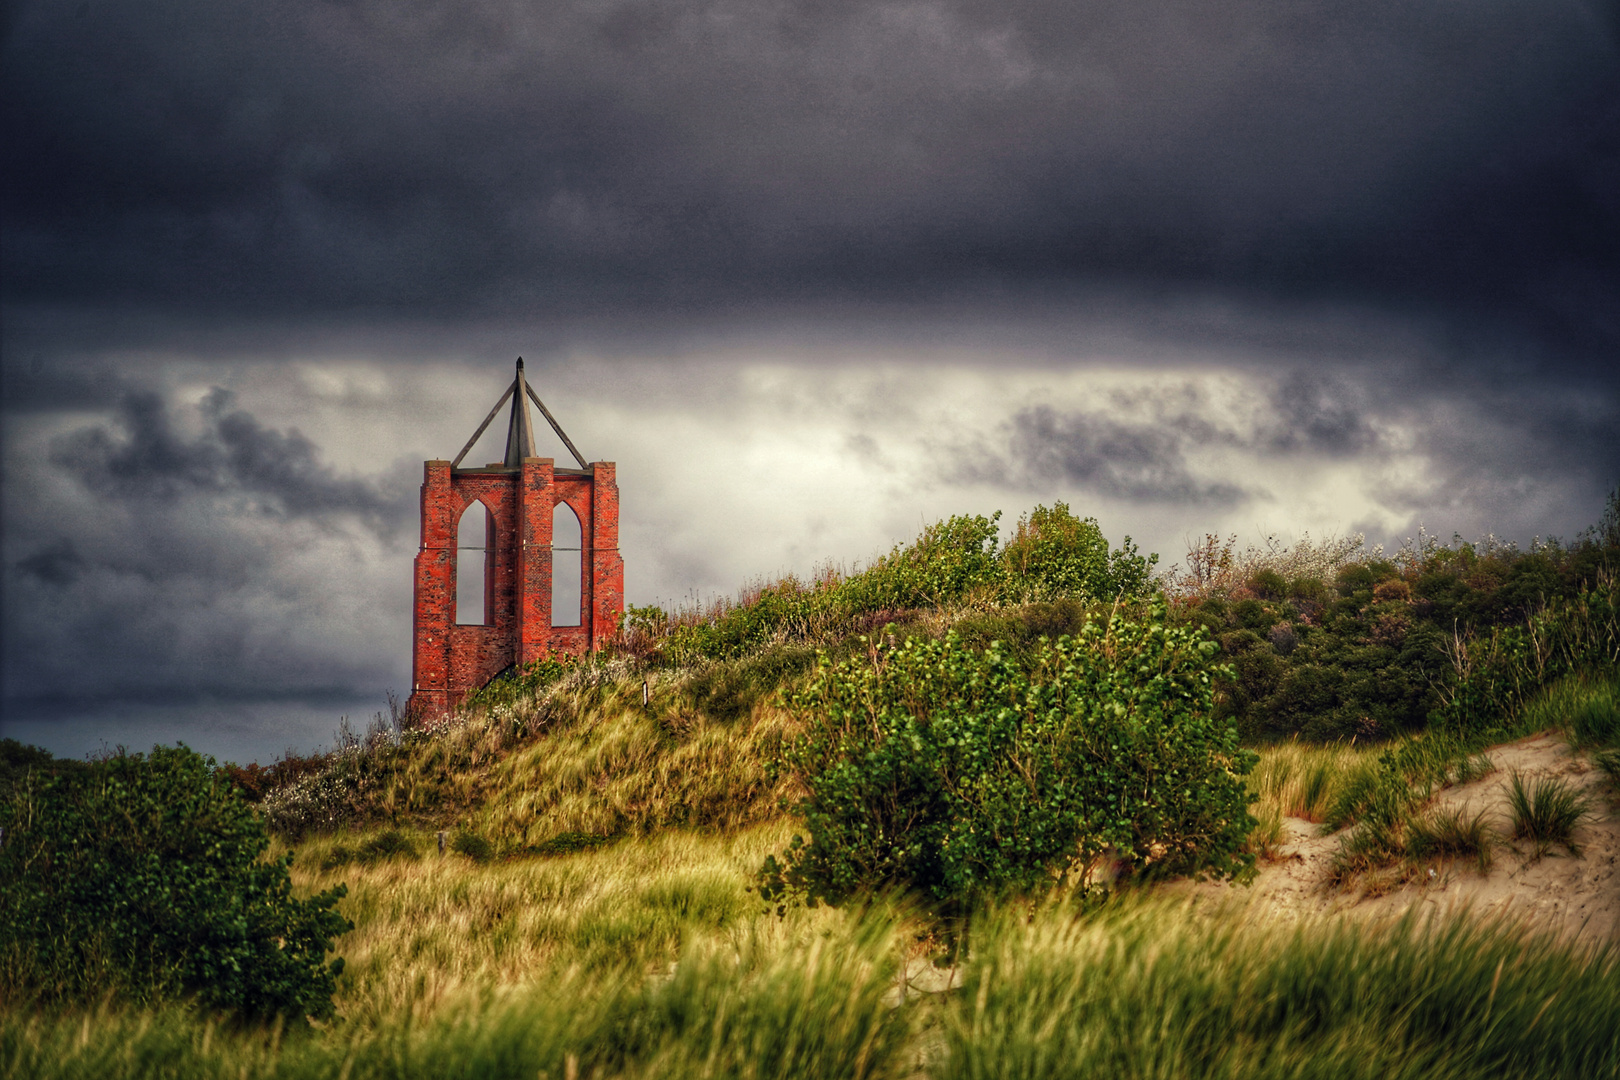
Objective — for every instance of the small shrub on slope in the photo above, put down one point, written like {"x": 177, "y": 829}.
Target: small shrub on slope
{"x": 142, "y": 876}
{"x": 1452, "y": 834}
{"x": 959, "y": 774}
{"x": 1546, "y": 812}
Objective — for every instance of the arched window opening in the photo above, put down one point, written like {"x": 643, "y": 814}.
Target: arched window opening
{"x": 473, "y": 551}
{"x": 565, "y": 567}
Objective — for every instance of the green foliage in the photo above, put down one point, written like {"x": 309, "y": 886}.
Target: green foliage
{"x": 143, "y": 876}
{"x": 475, "y": 847}
{"x": 521, "y": 681}
{"x": 950, "y": 560}
{"x": 959, "y": 774}
{"x": 19, "y": 762}
{"x": 568, "y": 843}
{"x": 1547, "y": 812}
{"x": 1351, "y": 670}
{"x": 1466, "y": 632}
{"x": 1053, "y": 555}
{"x": 1500, "y": 674}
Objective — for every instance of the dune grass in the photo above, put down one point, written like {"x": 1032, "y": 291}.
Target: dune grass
{"x": 650, "y": 957}
{"x": 1452, "y": 834}
{"x": 1304, "y": 780}
{"x": 1546, "y": 812}
{"x": 1152, "y": 990}
{"x": 766, "y": 1008}
{"x": 1585, "y": 707}
{"x": 429, "y": 927}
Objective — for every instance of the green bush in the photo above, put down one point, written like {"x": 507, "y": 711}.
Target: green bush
{"x": 388, "y": 844}
{"x": 472, "y": 845}
{"x": 1051, "y": 556}
{"x": 143, "y": 876}
{"x": 959, "y": 774}
{"x": 1054, "y": 555}
{"x": 1503, "y": 672}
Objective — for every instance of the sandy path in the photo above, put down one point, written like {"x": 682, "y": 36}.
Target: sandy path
{"x": 1569, "y": 894}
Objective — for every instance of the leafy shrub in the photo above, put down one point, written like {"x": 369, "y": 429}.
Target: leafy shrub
{"x": 1501, "y": 673}
{"x": 19, "y": 762}
{"x": 388, "y": 844}
{"x": 142, "y": 876}
{"x": 470, "y": 844}
{"x": 1054, "y": 555}
{"x": 951, "y": 559}
{"x": 1547, "y": 812}
{"x": 1466, "y": 632}
{"x": 958, "y": 773}
{"x": 568, "y": 843}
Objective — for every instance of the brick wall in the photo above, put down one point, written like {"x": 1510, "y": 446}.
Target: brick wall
{"x": 451, "y": 660}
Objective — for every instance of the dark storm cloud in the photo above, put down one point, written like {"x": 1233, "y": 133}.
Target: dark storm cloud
{"x": 1136, "y": 462}
{"x": 57, "y": 563}
{"x": 140, "y": 457}
{"x": 1313, "y": 413}
{"x": 304, "y": 156}
{"x": 173, "y": 552}
{"x": 1139, "y": 445}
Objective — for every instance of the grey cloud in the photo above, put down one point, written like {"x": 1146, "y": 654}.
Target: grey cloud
{"x": 1139, "y": 445}
{"x": 1314, "y": 413}
{"x": 142, "y": 457}
{"x": 1138, "y": 462}
{"x": 57, "y": 563}
{"x": 181, "y": 555}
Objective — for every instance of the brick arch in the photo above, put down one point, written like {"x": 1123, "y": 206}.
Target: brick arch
{"x": 492, "y": 547}
{"x": 565, "y": 564}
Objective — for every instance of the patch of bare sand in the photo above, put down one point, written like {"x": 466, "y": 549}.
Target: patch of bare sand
{"x": 1573, "y": 895}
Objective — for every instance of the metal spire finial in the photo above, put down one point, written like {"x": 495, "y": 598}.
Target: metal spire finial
{"x": 520, "y": 433}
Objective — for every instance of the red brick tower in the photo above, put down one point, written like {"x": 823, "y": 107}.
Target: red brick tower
{"x": 456, "y": 653}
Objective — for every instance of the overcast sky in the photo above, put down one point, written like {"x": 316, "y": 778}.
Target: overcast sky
{"x": 813, "y": 274}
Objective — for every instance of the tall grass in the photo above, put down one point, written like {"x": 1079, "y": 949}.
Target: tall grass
{"x": 1151, "y": 990}
{"x": 1304, "y": 780}
{"x": 766, "y": 1008}
{"x": 431, "y": 927}
{"x": 1586, "y": 707}
{"x": 583, "y": 755}
{"x": 650, "y": 958}
{"x": 1546, "y": 812}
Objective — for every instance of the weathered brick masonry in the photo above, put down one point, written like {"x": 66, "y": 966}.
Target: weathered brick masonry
{"x": 520, "y": 496}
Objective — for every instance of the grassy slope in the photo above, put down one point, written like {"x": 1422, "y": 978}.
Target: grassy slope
{"x": 648, "y": 955}
{"x": 648, "y": 958}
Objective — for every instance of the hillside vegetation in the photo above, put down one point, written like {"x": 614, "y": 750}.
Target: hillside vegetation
{"x": 737, "y": 845}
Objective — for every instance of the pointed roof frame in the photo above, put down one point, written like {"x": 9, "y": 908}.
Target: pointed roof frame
{"x": 520, "y": 432}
